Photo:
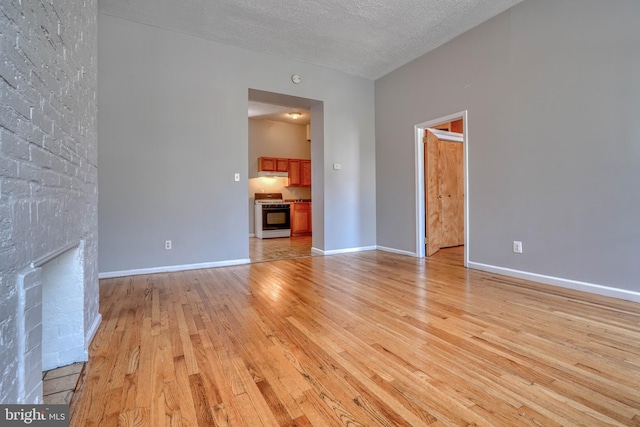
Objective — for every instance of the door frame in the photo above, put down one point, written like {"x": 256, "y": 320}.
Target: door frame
{"x": 419, "y": 179}
{"x": 316, "y": 111}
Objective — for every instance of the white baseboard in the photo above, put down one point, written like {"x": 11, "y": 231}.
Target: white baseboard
{"x": 557, "y": 281}
{"x": 91, "y": 332}
{"x": 396, "y": 251}
{"x": 172, "y": 268}
{"x": 342, "y": 251}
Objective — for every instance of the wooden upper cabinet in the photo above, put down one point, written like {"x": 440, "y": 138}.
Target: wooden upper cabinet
{"x": 272, "y": 164}
{"x": 294, "y": 173}
{"x": 282, "y": 165}
{"x": 299, "y": 170}
{"x": 299, "y": 173}
{"x": 305, "y": 173}
{"x": 266, "y": 164}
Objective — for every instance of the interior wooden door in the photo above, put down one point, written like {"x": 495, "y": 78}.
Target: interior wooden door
{"x": 432, "y": 193}
{"x": 451, "y": 194}
{"x": 444, "y": 193}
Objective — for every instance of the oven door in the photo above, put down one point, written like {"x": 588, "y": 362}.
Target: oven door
{"x": 276, "y": 218}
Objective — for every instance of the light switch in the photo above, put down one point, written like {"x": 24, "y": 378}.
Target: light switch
{"x": 237, "y": 177}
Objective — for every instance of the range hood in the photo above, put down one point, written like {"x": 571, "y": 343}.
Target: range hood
{"x": 273, "y": 174}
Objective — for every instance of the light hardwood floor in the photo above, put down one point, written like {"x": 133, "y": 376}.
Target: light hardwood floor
{"x": 361, "y": 339}
{"x": 261, "y": 250}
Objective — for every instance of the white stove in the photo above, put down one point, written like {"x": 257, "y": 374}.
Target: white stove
{"x": 273, "y": 216}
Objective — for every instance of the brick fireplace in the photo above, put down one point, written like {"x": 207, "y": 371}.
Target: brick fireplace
{"x": 51, "y": 329}
{"x": 48, "y": 190}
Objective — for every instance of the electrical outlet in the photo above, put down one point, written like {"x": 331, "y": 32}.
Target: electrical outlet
{"x": 517, "y": 247}
{"x": 167, "y": 245}
{"x": 337, "y": 166}
{"x": 236, "y": 177}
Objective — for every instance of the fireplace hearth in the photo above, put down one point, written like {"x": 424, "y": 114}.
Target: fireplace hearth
{"x": 52, "y": 322}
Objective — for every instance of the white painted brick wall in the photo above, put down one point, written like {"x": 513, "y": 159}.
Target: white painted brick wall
{"x": 62, "y": 311}
{"x": 48, "y": 169}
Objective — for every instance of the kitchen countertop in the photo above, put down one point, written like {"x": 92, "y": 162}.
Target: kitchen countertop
{"x": 297, "y": 200}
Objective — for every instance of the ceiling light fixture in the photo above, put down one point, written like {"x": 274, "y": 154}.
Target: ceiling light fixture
{"x": 295, "y": 116}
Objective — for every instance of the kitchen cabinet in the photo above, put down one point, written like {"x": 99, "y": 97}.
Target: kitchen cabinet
{"x": 305, "y": 173}
{"x": 294, "y": 173}
{"x": 272, "y": 164}
{"x": 282, "y": 165}
{"x": 300, "y": 219}
{"x": 299, "y": 173}
{"x": 298, "y": 170}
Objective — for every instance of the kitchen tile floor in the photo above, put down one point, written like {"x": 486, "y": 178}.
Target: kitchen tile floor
{"x": 261, "y": 250}
{"x": 59, "y": 384}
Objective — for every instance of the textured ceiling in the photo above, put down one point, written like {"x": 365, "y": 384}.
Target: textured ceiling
{"x": 367, "y": 38}
{"x": 278, "y": 113}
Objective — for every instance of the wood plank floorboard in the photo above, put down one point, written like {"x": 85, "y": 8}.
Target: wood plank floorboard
{"x": 261, "y": 250}
{"x": 361, "y": 339}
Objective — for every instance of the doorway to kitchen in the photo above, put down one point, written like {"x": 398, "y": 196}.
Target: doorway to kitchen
{"x": 281, "y": 167}
{"x": 441, "y": 147}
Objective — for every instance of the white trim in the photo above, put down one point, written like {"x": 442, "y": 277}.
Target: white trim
{"x": 419, "y": 180}
{"x": 557, "y": 281}
{"x": 396, "y": 251}
{"x": 342, "y": 251}
{"x": 445, "y": 135}
{"x": 91, "y": 333}
{"x": 45, "y": 259}
{"x": 172, "y": 268}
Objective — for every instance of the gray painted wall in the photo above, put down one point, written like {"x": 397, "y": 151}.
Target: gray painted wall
{"x": 173, "y": 131}
{"x": 551, "y": 88}
{"x": 48, "y": 176}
